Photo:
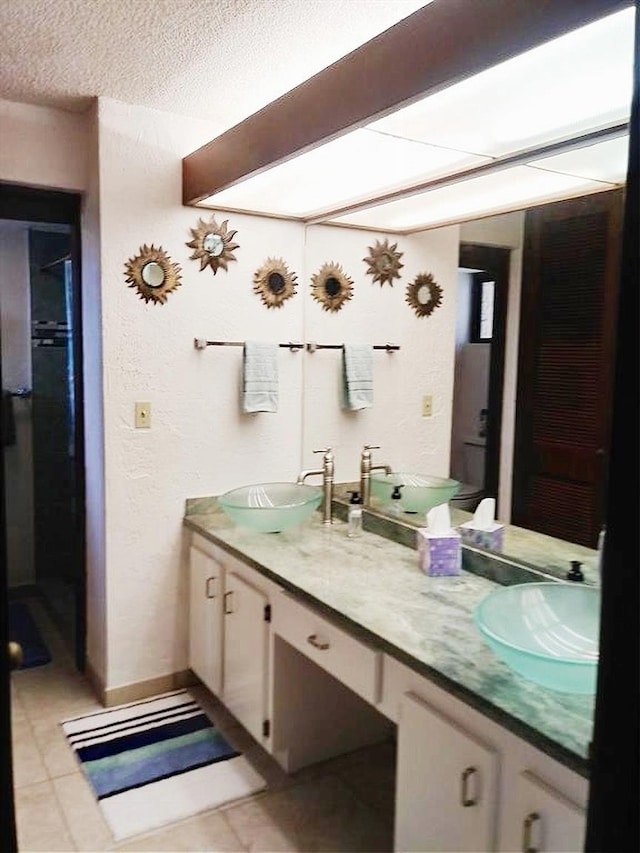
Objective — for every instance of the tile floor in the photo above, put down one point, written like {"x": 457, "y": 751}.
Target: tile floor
{"x": 345, "y": 804}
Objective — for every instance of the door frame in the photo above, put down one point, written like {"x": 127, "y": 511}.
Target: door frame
{"x": 56, "y": 207}
{"x": 494, "y": 260}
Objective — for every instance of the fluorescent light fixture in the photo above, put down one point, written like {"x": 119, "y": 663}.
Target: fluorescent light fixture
{"x": 604, "y": 161}
{"x": 346, "y": 171}
{"x": 579, "y": 82}
{"x": 496, "y": 192}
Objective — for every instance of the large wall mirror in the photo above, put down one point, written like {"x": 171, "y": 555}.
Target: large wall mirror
{"x": 544, "y": 106}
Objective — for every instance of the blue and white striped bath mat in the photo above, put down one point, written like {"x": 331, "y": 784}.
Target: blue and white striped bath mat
{"x": 156, "y": 761}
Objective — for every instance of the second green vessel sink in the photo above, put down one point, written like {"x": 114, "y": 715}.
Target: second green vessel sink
{"x": 547, "y": 632}
{"x": 271, "y": 507}
{"x": 418, "y": 492}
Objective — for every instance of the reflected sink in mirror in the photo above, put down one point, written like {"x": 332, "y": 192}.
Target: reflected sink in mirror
{"x": 546, "y": 632}
{"x": 271, "y": 507}
{"x": 418, "y": 492}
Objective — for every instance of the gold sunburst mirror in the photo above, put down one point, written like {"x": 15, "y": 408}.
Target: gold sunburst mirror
{"x": 213, "y": 244}
{"x": 424, "y": 295}
{"x": 153, "y": 274}
{"x": 331, "y": 287}
{"x": 274, "y": 283}
{"x": 384, "y": 262}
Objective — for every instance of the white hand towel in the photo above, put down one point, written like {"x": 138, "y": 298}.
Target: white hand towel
{"x": 260, "y": 377}
{"x": 357, "y": 376}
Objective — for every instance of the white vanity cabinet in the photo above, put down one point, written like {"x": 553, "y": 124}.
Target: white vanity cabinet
{"x": 246, "y": 647}
{"x": 463, "y": 782}
{"x": 446, "y": 783}
{"x": 206, "y": 587}
{"x": 537, "y": 818}
{"x": 229, "y": 627}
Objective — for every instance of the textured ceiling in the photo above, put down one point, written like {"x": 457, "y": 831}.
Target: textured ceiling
{"x": 214, "y": 59}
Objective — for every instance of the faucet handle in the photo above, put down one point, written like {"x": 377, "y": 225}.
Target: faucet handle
{"x": 371, "y": 447}
{"x": 326, "y": 450}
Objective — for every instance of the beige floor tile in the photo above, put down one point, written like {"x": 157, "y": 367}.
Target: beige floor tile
{"x": 82, "y": 813}
{"x": 57, "y": 756}
{"x": 17, "y": 708}
{"x": 315, "y": 815}
{"x": 371, "y": 775}
{"x": 28, "y": 766}
{"x": 210, "y": 832}
{"x": 51, "y": 694}
{"x": 39, "y": 820}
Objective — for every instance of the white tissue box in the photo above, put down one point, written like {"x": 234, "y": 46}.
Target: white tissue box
{"x": 491, "y": 537}
{"x": 439, "y": 553}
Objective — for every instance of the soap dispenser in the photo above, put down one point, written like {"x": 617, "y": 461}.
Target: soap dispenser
{"x": 355, "y": 515}
{"x": 396, "y": 497}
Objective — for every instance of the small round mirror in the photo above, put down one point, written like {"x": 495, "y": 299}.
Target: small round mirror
{"x": 213, "y": 244}
{"x": 153, "y": 274}
{"x": 276, "y": 282}
{"x": 332, "y": 286}
{"x": 424, "y": 294}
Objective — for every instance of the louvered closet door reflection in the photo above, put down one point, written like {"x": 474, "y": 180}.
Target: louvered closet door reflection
{"x": 570, "y": 283}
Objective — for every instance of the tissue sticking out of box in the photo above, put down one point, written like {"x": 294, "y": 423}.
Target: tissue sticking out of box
{"x": 439, "y": 544}
{"x": 483, "y": 529}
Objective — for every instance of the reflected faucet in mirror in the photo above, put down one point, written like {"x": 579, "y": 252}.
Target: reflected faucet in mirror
{"x": 365, "y": 471}
{"x": 327, "y": 473}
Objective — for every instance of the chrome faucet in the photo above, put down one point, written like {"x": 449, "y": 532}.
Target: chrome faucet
{"x": 326, "y": 472}
{"x": 365, "y": 471}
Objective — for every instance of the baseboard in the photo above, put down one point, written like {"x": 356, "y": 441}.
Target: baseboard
{"x": 142, "y": 689}
{"x": 110, "y": 696}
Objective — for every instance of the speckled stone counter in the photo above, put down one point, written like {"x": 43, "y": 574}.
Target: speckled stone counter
{"x": 374, "y": 587}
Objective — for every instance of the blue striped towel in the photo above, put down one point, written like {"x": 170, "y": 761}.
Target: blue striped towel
{"x": 260, "y": 377}
{"x": 357, "y": 376}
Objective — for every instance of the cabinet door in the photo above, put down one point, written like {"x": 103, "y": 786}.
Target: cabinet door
{"x": 205, "y": 619}
{"x": 540, "y": 819}
{"x": 446, "y": 784}
{"x": 245, "y": 654}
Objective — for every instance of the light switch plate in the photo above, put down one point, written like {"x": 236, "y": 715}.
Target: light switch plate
{"x": 143, "y": 415}
{"x": 427, "y": 406}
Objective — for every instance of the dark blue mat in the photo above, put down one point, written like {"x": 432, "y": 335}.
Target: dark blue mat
{"x": 23, "y": 630}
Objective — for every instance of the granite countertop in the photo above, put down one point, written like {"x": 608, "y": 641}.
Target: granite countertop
{"x": 374, "y": 587}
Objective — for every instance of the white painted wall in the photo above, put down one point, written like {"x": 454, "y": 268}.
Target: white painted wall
{"x": 199, "y": 442}
{"x": 15, "y": 309}
{"x": 43, "y": 146}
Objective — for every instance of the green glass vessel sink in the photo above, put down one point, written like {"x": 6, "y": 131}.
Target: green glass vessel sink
{"x": 271, "y": 507}
{"x": 546, "y": 632}
{"x": 419, "y": 492}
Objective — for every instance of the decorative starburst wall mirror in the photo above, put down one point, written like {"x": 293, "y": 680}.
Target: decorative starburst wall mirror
{"x": 384, "y": 262}
{"x": 274, "y": 283}
{"x": 153, "y": 274}
{"x": 213, "y": 244}
{"x": 424, "y": 295}
{"x": 331, "y": 287}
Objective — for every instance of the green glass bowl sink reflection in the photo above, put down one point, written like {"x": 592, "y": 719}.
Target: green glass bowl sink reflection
{"x": 546, "y": 632}
{"x": 420, "y": 492}
{"x": 271, "y": 507}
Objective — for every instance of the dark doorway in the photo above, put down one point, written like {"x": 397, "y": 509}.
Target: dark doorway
{"x": 42, "y": 403}
{"x": 488, "y": 267}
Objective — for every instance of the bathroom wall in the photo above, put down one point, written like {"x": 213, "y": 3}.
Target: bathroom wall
{"x": 43, "y": 146}
{"x": 199, "y": 443}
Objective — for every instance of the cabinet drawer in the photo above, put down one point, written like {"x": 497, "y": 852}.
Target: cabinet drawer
{"x": 348, "y": 659}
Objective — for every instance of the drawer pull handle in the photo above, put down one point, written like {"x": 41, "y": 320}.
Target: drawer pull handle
{"x": 318, "y": 644}
{"x": 465, "y": 799}
{"x": 207, "y": 588}
{"x": 530, "y": 819}
{"x": 228, "y": 601}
